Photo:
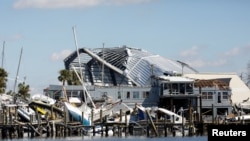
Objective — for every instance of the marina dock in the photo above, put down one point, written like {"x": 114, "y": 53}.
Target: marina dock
{"x": 11, "y": 127}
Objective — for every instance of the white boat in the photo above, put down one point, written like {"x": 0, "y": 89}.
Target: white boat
{"x": 240, "y": 118}
{"x": 78, "y": 115}
{"x": 243, "y": 107}
{"x": 110, "y": 110}
{"x": 5, "y": 99}
{"x": 152, "y": 111}
{"x": 142, "y": 112}
{"x": 83, "y": 113}
{"x": 177, "y": 118}
{"x": 43, "y": 98}
{"x": 27, "y": 113}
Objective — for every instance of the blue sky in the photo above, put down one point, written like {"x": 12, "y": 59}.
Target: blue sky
{"x": 209, "y": 35}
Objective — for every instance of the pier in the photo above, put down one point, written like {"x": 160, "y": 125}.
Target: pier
{"x": 63, "y": 126}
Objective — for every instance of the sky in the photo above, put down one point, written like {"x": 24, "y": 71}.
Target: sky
{"x": 37, "y": 35}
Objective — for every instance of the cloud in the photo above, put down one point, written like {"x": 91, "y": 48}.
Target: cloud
{"x": 59, "y": 56}
{"x": 200, "y": 63}
{"x": 246, "y": 49}
{"x": 51, "y": 4}
{"x": 193, "y": 51}
{"x": 195, "y": 58}
{"x": 13, "y": 37}
{"x": 233, "y": 52}
{"x": 238, "y": 51}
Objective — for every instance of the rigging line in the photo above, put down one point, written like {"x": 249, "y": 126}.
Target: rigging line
{"x": 18, "y": 70}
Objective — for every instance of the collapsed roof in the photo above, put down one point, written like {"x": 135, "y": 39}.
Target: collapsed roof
{"x": 122, "y": 66}
{"x": 222, "y": 85}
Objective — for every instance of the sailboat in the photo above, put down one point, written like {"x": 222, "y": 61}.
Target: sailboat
{"x": 173, "y": 117}
{"x": 145, "y": 113}
{"x": 243, "y": 106}
{"x": 78, "y": 115}
{"x": 83, "y": 113}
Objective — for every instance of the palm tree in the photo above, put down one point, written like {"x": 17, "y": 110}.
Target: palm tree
{"x": 65, "y": 76}
{"x": 3, "y": 80}
{"x": 74, "y": 78}
{"x": 23, "y": 90}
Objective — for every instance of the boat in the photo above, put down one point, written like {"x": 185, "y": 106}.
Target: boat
{"x": 145, "y": 113}
{"x": 48, "y": 110}
{"x": 172, "y": 116}
{"x": 142, "y": 114}
{"x": 236, "y": 118}
{"x": 43, "y": 98}
{"x": 41, "y": 110}
{"x": 84, "y": 113}
{"x": 26, "y": 113}
{"x": 244, "y": 106}
{"x": 5, "y": 99}
{"x": 242, "y": 118}
{"x": 111, "y": 110}
{"x": 77, "y": 114}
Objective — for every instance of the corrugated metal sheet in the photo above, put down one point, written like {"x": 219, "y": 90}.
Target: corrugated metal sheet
{"x": 124, "y": 64}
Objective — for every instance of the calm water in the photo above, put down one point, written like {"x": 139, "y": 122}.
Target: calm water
{"x": 130, "y": 138}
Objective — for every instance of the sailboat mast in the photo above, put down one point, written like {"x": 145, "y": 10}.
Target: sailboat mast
{"x": 79, "y": 62}
{"x": 18, "y": 70}
{"x": 84, "y": 88}
{"x": 3, "y": 53}
{"x": 102, "y": 64}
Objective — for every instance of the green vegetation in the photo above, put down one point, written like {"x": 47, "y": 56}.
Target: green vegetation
{"x": 3, "y": 80}
{"x": 68, "y": 76}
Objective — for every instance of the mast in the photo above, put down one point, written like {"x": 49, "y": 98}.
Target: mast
{"x": 18, "y": 69}
{"x": 81, "y": 77}
{"x": 79, "y": 62}
{"x": 3, "y": 53}
{"x": 102, "y": 63}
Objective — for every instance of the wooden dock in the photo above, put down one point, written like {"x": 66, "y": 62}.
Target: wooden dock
{"x": 11, "y": 127}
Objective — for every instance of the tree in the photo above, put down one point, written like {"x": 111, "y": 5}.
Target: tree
{"x": 65, "y": 76}
{"x": 3, "y": 80}
{"x": 74, "y": 79}
{"x": 23, "y": 90}
{"x": 68, "y": 76}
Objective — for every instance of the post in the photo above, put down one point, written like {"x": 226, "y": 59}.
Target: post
{"x": 101, "y": 120}
{"x": 200, "y": 98}
{"x": 213, "y": 113}
{"x": 165, "y": 126}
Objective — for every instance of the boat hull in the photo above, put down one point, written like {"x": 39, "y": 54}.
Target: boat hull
{"x": 77, "y": 114}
